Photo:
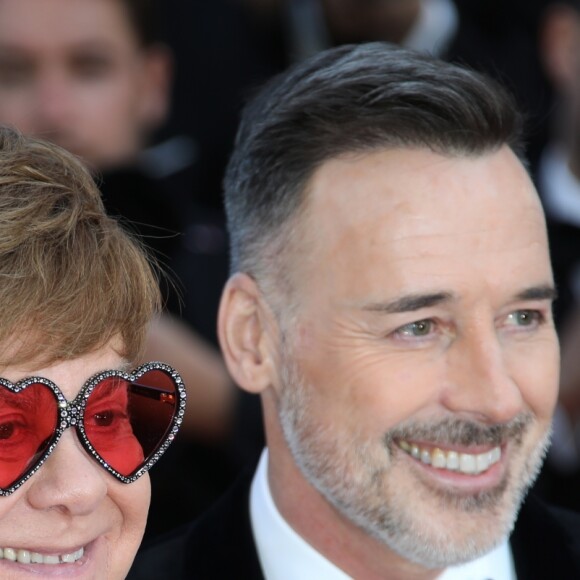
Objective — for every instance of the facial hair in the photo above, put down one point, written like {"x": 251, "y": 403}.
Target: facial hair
{"x": 362, "y": 478}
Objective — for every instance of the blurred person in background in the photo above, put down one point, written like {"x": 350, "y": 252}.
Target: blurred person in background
{"x": 558, "y": 181}
{"x": 224, "y": 49}
{"x": 93, "y": 77}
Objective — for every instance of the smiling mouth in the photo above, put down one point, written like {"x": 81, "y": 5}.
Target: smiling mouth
{"x": 29, "y": 557}
{"x": 467, "y": 463}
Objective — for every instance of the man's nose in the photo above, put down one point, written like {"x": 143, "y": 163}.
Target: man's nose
{"x": 480, "y": 383}
{"x": 70, "y": 480}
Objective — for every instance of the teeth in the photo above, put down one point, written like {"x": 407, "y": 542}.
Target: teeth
{"x": 452, "y": 460}
{"x": 469, "y": 463}
{"x": 28, "y": 557}
{"x": 405, "y": 446}
{"x": 438, "y": 459}
{"x": 482, "y": 462}
{"x": 73, "y": 557}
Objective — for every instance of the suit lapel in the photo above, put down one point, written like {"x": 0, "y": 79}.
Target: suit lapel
{"x": 546, "y": 543}
{"x": 224, "y": 537}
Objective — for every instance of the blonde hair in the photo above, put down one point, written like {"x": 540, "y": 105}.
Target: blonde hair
{"x": 71, "y": 279}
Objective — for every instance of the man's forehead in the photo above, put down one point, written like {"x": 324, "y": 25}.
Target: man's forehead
{"x": 412, "y": 184}
{"x": 404, "y": 219}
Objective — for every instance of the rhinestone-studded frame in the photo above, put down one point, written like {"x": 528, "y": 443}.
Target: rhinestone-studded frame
{"x": 135, "y": 375}
{"x": 70, "y": 415}
{"x": 60, "y": 400}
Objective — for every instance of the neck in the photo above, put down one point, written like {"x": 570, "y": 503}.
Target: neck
{"x": 320, "y": 524}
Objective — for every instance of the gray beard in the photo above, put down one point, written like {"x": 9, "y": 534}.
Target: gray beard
{"x": 353, "y": 476}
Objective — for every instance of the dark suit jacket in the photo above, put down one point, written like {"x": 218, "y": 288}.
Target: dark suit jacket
{"x": 220, "y": 546}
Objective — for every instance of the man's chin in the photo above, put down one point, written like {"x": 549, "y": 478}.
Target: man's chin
{"x": 436, "y": 529}
{"x": 437, "y": 525}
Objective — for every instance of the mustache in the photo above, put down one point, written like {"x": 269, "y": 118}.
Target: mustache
{"x": 453, "y": 431}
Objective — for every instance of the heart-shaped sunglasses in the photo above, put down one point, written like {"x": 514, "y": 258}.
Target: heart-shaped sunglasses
{"x": 125, "y": 421}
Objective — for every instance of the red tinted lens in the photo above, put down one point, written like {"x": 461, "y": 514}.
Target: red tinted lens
{"x": 28, "y": 422}
{"x": 127, "y": 422}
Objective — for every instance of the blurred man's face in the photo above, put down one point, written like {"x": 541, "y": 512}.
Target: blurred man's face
{"x": 72, "y": 71}
{"x": 417, "y": 384}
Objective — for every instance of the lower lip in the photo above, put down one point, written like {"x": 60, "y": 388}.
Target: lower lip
{"x": 82, "y": 568}
{"x": 462, "y": 482}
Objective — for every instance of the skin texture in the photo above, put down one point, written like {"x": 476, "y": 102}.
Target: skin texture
{"x": 72, "y": 502}
{"x": 348, "y": 372}
{"x": 73, "y": 72}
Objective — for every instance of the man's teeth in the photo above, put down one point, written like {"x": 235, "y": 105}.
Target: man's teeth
{"x": 28, "y": 557}
{"x": 451, "y": 460}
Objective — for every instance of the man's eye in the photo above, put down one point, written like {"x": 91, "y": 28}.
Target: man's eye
{"x": 524, "y": 317}
{"x": 109, "y": 418}
{"x": 15, "y": 74}
{"x": 91, "y": 68}
{"x": 416, "y": 329}
{"x": 104, "y": 418}
{"x": 6, "y": 430}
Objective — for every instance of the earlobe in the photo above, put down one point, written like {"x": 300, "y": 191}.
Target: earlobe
{"x": 245, "y": 330}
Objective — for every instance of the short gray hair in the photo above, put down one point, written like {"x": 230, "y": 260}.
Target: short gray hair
{"x": 349, "y": 99}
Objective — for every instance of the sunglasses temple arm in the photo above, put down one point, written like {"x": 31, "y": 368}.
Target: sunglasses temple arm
{"x": 153, "y": 393}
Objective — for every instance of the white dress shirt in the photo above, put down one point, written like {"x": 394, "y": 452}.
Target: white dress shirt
{"x": 284, "y": 555}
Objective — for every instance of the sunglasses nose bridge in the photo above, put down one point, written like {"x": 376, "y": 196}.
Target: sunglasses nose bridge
{"x": 71, "y": 414}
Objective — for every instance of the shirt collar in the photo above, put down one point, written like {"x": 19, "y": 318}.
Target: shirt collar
{"x": 285, "y": 555}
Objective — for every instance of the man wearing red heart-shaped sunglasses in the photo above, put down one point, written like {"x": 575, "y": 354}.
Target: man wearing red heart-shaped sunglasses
{"x": 80, "y": 422}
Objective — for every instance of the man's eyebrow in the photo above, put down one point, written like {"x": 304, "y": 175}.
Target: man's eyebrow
{"x": 413, "y": 302}
{"x": 544, "y": 292}
{"x": 409, "y": 303}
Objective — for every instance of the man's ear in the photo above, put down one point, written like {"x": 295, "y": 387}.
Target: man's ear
{"x": 156, "y": 85}
{"x": 559, "y": 43}
{"x": 247, "y": 333}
